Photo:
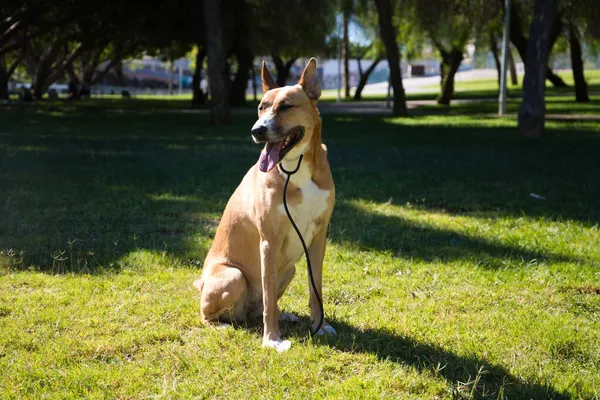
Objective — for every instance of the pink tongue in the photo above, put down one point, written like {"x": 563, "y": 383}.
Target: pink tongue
{"x": 269, "y": 157}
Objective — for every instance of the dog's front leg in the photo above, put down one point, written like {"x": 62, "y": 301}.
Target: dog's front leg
{"x": 316, "y": 251}
{"x": 268, "y": 254}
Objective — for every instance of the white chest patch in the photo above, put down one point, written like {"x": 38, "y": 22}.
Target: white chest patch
{"x": 313, "y": 205}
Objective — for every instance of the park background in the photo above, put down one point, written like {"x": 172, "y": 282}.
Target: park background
{"x": 463, "y": 255}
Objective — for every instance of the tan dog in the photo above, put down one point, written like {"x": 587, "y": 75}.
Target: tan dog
{"x": 252, "y": 259}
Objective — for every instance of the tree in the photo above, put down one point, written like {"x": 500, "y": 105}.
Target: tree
{"x": 364, "y": 75}
{"x": 23, "y": 24}
{"x": 367, "y": 18}
{"x": 217, "y": 72}
{"x": 347, "y": 10}
{"x": 242, "y": 51}
{"x": 47, "y": 59}
{"x": 300, "y": 29}
{"x": 519, "y": 40}
{"x": 581, "y": 89}
{"x": 450, "y": 25}
{"x": 532, "y": 109}
{"x": 198, "y": 54}
{"x": 388, "y": 36}
{"x": 8, "y": 65}
{"x": 22, "y": 21}
{"x": 582, "y": 17}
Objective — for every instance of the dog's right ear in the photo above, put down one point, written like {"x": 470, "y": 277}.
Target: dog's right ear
{"x": 267, "y": 80}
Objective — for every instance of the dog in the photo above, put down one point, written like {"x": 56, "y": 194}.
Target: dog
{"x": 255, "y": 250}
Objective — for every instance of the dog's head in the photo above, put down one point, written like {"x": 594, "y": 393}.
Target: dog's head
{"x": 286, "y": 117}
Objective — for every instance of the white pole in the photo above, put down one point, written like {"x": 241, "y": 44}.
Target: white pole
{"x": 170, "y": 86}
{"x": 180, "y": 90}
{"x": 505, "y": 50}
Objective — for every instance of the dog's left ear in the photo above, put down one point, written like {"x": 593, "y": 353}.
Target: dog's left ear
{"x": 309, "y": 80}
{"x": 267, "y": 80}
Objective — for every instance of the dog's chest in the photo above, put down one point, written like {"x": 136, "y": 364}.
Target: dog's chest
{"x": 307, "y": 216}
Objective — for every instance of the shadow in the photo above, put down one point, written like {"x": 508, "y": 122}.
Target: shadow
{"x": 416, "y": 240}
{"x": 469, "y": 376}
{"x": 466, "y": 167}
{"x": 80, "y": 192}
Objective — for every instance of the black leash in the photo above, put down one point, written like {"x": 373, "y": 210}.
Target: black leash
{"x": 310, "y": 273}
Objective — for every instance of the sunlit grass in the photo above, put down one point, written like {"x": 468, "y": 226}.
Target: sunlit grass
{"x": 463, "y": 260}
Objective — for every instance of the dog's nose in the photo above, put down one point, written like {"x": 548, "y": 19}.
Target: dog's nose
{"x": 259, "y": 132}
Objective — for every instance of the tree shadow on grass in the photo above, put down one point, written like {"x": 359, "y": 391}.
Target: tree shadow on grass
{"x": 78, "y": 193}
{"x": 94, "y": 187}
{"x": 466, "y": 169}
{"x": 404, "y": 238}
{"x": 469, "y": 376}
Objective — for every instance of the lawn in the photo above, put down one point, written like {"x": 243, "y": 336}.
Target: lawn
{"x": 488, "y": 89}
{"x": 463, "y": 261}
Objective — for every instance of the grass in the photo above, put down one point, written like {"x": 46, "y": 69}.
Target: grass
{"x": 488, "y": 89}
{"x": 444, "y": 277}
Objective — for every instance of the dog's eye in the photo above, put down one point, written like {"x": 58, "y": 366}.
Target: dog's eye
{"x": 260, "y": 107}
{"x": 283, "y": 107}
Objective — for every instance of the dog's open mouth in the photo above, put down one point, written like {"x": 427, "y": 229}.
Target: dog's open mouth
{"x": 275, "y": 151}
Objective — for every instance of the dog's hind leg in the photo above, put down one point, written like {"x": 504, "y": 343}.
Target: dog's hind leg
{"x": 223, "y": 294}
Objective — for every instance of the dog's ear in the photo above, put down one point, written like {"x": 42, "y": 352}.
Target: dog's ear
{"x": 267, "y": 80}
{"x": 309, "y": 80}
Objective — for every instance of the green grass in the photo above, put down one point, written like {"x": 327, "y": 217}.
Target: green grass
{"x": 486, "y": 89}
{"x": 444, "y": 277}
{"x": 491, "y": 85}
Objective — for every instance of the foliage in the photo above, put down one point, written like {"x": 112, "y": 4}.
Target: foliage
{"x": 294, "y": 28}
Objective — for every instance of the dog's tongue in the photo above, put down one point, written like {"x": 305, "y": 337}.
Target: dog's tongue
{"x": 269, "y": 157}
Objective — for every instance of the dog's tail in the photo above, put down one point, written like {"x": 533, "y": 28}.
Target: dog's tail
{"x": 199, "y": 284}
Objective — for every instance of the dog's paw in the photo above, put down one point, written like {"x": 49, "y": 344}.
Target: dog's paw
{"x": 279, "y": 345}
{"x": 217, "y": 325}
{"x": 327, "y": 329}
{"x": 288, "y": 317}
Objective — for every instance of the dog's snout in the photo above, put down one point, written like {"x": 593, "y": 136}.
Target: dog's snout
{"x": 259, "y": 132}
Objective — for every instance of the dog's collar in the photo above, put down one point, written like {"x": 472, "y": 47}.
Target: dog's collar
{"x": 300, "y": 157}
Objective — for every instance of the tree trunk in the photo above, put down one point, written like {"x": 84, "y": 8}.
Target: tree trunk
{"x": 345, "y": 54}
{"x": 283, "y": 68}
{"x": 119, "y": 73}
{"x": 218, "y": 80}
{"x": 532, "y": 109}
{"x": 364, "y": 77}
{"x": 240, "y": 82}
{"x": 6, "y": 72}
{"x": 88, "y": 70}
{"x": 241, "y": 50}
{"x": 43, "y": 68}
{"x": 254, "y": 83}
{"x": 555, "y": 30}
{"x": 517, "y": 37}
{"x": 450, "y": 64}
{"x": 198, "y": 97}
{"x": 514, "y": 79}
{"x": 494, "y": 50}
{"x": 388, "y": 36}
{"x": 556, "y": 80}
{"x": 581, "y": 90}
{"x": 51, "y": 65}
{"x": 3, "y": 80}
